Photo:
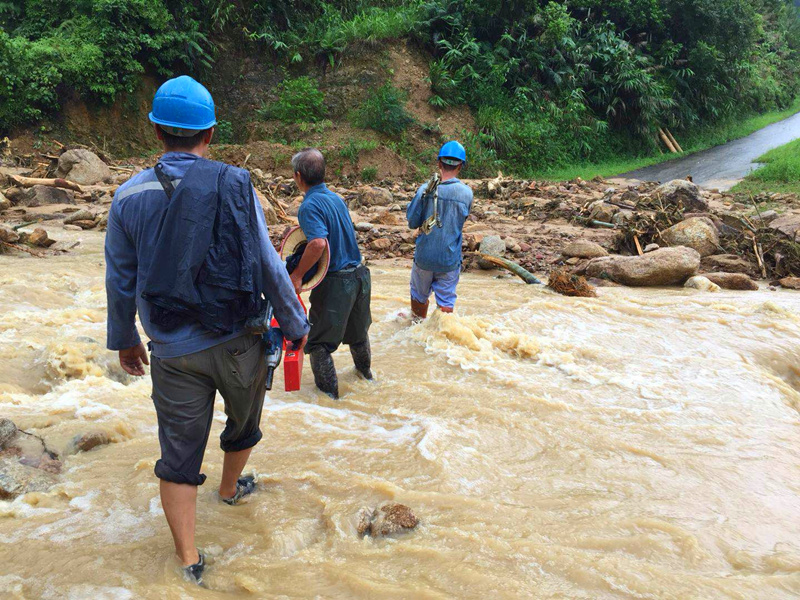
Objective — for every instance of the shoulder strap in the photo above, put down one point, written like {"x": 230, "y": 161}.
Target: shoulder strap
{"x": 165, "y": 181}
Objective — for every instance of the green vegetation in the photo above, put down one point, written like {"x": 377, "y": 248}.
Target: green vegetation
{"x": 384, "y": 111}
{"x": 369, "y": 174}
{"x": 223, "y": 132}
{"x": 299, "y": 101}
{"x": 551, "y": 84}
{"x": 780, "y": 173}
{"x": 353, "y": 148}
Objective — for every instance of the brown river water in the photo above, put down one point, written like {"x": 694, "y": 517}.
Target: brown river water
{"x": 643, "y": 444}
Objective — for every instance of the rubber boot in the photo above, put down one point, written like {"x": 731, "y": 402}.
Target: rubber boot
{"x": 445, "y": 309}
{"x": 362, "y": 358}
{"x": 325, "y": 372}
{"x": 419, "y": 310}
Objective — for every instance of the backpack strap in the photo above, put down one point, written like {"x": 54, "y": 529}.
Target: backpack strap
{"x": 165, "y": 181}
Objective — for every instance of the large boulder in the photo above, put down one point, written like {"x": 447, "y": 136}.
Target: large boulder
{"x": 374, "y": 196}
{"x": 684, "y": 193}
{"x": 83, "y": 167}
{"x": 42, "y": 195}
{"x": 732, "y": 281}
{"x": 583, "y": 249}
{"x": 729, "y": 263}
{"x": 493, "y": 246}
{"x": 697, "y": 232}
{"x": 666, "y": 266}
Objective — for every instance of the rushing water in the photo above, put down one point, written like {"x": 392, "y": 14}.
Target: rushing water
{"x": 643, "y": 444}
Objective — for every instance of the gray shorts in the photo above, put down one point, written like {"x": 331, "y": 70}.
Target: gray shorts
{"x": 184, "y": 389}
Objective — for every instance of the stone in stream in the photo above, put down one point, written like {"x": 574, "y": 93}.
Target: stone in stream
{"x": 493, "y": 246}
{"x": 80, "y": 215}
{"x": 729, "y": 263}
{"x": 791, "y": 283}
{"x": 8, "y": 431}
{"x": 583, "y": 249}
{"x": 387, "y": 519}
{"x": 683, "y": 192}
{"x": 17, "y": 479}
{"x": 89, "y": 441}
{"x": 83, "y": 167}
{"x": 696, "y": 232}
{"x": 732, "y": 281}
{"x": 8, "y": 235}
{"x": 42, "y": 195}
{"x": 703, "y": 284}
{"x": 666, "y": 266}
{"x": 39, "y": 238}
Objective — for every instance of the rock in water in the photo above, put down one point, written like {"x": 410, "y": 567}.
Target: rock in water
{"x": 683, "y": 192}
{"x": 583, "y": 249}
{"x": 8, "y": 235}
{"x": 791, "y": 283}
{"x": 39, "y": 238}
{"x": 729, "y": 263}
{"x": 17, "y": 479}
{"x": 386, "y": 520}
{"x": 696, "y": 232}
{"x": 42, "y": 195}
{"x": 88, "y": 441}
{"x": 83, "y": 167}
{"x": 8, "y": 431}
{"x": 732, "y": 281}
{"x": 666, "y": 266}
{"x": 493, "y": 246}
{"x": 79, "y": 215}
{"x": 698, "y": 282}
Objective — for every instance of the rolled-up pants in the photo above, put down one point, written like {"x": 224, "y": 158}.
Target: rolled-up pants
{"x": 184, "y": 389}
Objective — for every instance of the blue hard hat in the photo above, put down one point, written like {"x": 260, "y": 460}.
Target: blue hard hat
{"x": 454, "y": 151}
{"x": 182, "y": 106}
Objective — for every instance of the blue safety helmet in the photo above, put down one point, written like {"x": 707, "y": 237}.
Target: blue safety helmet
{"x": 453, "y": 154}
{"x": 182, "y": 107}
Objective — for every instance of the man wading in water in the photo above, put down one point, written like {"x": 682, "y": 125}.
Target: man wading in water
{"x": 340, "y": 305}
{"x": 187, "y": 247}
{"x": 441, "y": 216}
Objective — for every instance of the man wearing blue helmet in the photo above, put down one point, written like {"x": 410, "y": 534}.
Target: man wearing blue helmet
{"x": 439, "y": 210}
{"x": 187, "y": 249}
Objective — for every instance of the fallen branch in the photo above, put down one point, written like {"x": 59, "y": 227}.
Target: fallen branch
{"x": 22, "y": 249}
{"x": 32, "y": 181}
{"x": 526, "y": 276}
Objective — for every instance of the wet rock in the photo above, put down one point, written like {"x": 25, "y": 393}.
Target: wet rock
{"x": 386, "y": 520}
{"x": 39, "y": 238}
{"x": 73, "y": 228}
{"x": 84, "y": 224}
{"x": 703, "y": 284}
{"x": 102, "y": 222}
{"x": 364, "y": 226}
{"x": 17, "y": 479}
{"x": 697, "y": 232}
{"x": 83, "y": 167}
{"x": 584, "y": 249}
{"x": 492, "y": 245}
{"x": 5, "y": 203}
{"x": 729, "y": 263}
{"x": 374, "y": 196}
{"x": 666, "y": 266}
{"x": 651, "y": 247}
{"x": 88, "y": 441}
{"x": 792, "y": 283}
{"x": 732, "y": 281}
{"x": 8, "y": 235}
{"x": 380, "y": 244}
{"x": 8, "y": 431}
{"x": 80, "y": 215}
{"x": 683, "y": 192}
{"x": 42, "y": 195}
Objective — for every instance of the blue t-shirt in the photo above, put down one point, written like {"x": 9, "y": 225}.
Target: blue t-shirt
{"x": 324, "y": 214}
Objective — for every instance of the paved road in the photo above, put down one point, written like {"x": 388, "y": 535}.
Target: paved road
{"x": 723, "y": 166}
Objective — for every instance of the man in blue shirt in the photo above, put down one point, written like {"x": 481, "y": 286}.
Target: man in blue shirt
{"x": 340, "y": 304}
{"x": 437, "y": 257}
{"x": 191, "y": 362}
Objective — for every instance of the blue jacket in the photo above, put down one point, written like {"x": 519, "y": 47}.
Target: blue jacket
{"x": 139, "y": 208}
{"x": 440, "y": 250}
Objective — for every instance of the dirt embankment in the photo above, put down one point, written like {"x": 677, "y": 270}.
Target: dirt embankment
{"x": 630, "y": 232}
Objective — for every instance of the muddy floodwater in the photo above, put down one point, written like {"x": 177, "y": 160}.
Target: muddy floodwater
{"x": 642, "y": 444}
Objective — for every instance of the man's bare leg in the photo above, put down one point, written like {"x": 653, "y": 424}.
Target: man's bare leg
{"x": 232, "y": 467}
{"x": 179, "y": 501}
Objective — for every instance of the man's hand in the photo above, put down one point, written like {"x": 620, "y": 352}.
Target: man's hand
{"x": 297, "y": 282}
{"x": 133, "y": 360}
{"x": 298, "y": 345}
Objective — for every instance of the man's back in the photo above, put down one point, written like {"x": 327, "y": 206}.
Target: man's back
{"x": 324, "y": 214}
{"x": 440, "y": 249}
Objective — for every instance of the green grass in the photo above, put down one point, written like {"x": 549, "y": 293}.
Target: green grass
{"x": 780, "y": 173}
{"x": 701, "y": 139}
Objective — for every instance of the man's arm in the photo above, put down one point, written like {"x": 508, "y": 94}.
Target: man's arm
{"x": 121, "y": 267}
{"x": 278, "y": 287}
{"x": 311, "y": 255}
{"x": 415, "y": 213}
